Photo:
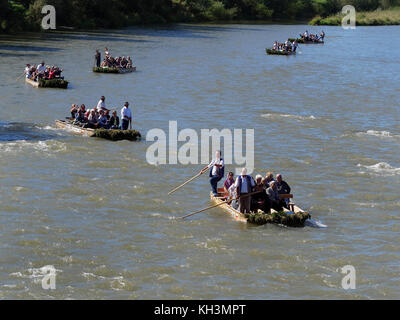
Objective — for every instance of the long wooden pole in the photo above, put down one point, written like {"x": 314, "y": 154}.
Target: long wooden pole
{"x": 191, "y": 179}
{"x": 219, "y": 204}
{"x": 210, "y": 207}
{"x": 20, "y": 76}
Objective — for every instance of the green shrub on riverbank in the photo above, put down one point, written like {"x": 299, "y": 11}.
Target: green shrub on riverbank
{"x": 374, "y": 18}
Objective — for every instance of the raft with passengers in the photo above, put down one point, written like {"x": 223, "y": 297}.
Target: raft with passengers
{"x": 42, "y": 76}
{"x": 98, "y": 122}
{"x": 111, "y": 64}
{"x": 309, "y": 38}
{"x": 258, "y": 201}
{"x": 284, "y": 49}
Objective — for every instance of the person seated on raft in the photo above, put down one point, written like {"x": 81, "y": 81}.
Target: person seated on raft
{"x": 113, "y": 122}
{"x": 268, "y": 178}
{"x": 80, "y": 116}
{"x": 283, "y": 188}
{"x": 257, "y": 200}
{"x": 322, "y": 35}
{"x": 233, "y": 196}
{"x": 102, "y": 120}
{"x": 92, "y": 120}
{"x": 73, "y": 110}
{"x": 273, "y": 195}
{"x": 228, "y": 182}
{"x": 130, "y": 63}
{"x": 57, "y": 73}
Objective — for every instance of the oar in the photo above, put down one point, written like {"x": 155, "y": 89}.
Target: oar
{"x": 219, "y": 204}
{"x": 210, "y": 207}
{"x": 19, "y": 76}
{"x": 191, "y": 179}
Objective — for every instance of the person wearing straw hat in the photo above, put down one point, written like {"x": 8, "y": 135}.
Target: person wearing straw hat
{"x": 244, "y": 184}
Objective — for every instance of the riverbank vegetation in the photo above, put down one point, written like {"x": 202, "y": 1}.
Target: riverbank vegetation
{"x": 20, "y": 15}
{"x": 377, "y": 17}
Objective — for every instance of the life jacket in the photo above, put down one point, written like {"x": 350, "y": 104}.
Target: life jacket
{"x": 220, "y": 171}
{"x": 248, "y": 178}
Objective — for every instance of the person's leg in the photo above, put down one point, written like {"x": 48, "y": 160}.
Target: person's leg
{"x": 125, "y": 124}
{"x": 267, "y": 206}
{"x": 214, "y": 183}
{"x": 277, "y": 207}
{"x": 241, "y": 207}
{"x": 247, "y": 203}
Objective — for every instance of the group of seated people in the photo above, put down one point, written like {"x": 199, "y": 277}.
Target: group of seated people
{"x": 287, "y": 46}
{"x": 306, "y": 36}
{"x": 118, "y": 62}
{"x": 99, "y": 117}
{"x": 42, "y": 72}
{"x": 268, "y": 196}
{"x": 94, "y": 118}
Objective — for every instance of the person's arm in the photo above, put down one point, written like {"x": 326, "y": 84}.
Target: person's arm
{"x": 288, "y": 188}
{"x": 204, "y": 170}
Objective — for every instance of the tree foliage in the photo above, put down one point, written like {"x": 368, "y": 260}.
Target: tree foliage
{"x": 16, "y": 15}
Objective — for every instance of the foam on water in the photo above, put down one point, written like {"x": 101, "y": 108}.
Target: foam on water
{"x": 381, "y": 168}
{"x": 381, "y": 134}
{"x": 45, "y": 147}
{"x": 290, "y": 116}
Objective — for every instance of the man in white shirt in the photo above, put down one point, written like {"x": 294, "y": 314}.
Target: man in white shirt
{"x": 126, "y": 117}
{"x": 216, "y": 167}
{"x": 41, "y": 68}
{"x": 101, "y": 105}
{"x": 244, "y": 183}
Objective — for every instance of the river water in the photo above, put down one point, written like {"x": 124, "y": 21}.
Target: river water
{"x": 327, "y": 119}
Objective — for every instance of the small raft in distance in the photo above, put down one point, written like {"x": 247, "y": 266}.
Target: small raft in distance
{"x": 108, "y": 134}
{"x": 53, "y": 83}
{"x": 113, "y": 70}
{"x": 295, "y": 218}
{"x": 280, "y": 52}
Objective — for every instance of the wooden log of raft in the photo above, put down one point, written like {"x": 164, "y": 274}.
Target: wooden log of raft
{"x": 295, "y": 218}
{"x": 53, "y": 83}
{"x": 109, "y": 134}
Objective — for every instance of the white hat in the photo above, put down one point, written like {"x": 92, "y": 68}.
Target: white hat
{"x": 244, "y": 171}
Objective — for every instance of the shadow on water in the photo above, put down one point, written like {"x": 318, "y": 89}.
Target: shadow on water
{"x": 23, "y": 131}
{"x": 120, "y": 35}
{"x": 11, "y": 47}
